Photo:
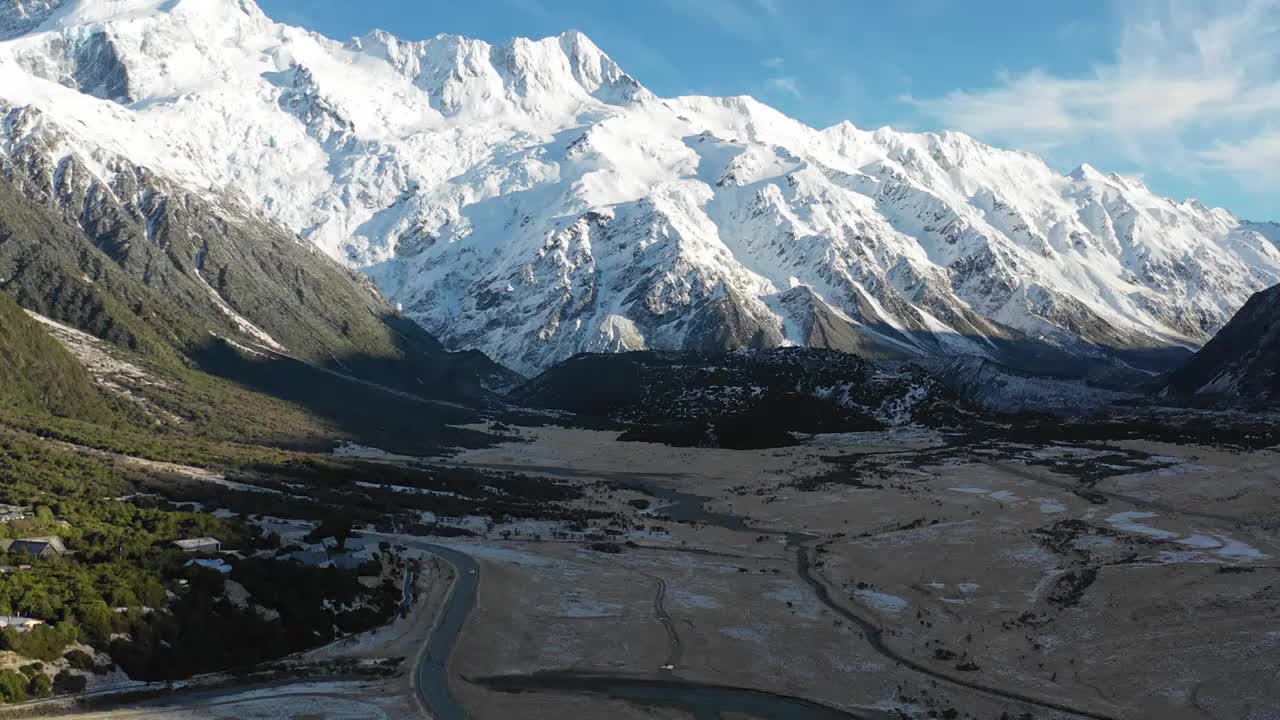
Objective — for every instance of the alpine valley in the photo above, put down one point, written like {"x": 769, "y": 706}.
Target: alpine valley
{"x": 533, "y": 201}
{"x": 389, "y": 378}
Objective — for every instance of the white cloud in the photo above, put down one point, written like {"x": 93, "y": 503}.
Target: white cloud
{"x": 773, "y": 62}
{"x": 1255, "y": 160}
{"x": 733, "y": 17}
{"x": 1191, "y": 86}
{"x": 786, "y": 84}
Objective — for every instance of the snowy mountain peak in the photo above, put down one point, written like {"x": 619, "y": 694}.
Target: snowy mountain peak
{"x": 545, "y": 77}
{"x": 1085, "y": 172}
{"x": 533, "y": 200}
{"x": 54, "y": 15}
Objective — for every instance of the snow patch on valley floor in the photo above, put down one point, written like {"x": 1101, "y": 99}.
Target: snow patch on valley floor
{"x": 1002, "y": 496}
{"x": 1051, "y": 507}
{"x": 1224, "y": 547}
{"x": 884, "y": 602}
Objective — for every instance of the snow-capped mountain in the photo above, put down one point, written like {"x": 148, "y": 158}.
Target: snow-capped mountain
{"x": 533, "y": 200}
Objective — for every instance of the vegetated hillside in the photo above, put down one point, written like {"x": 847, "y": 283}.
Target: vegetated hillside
{"x": 37, "y": 374}
{"x": 532, "y": 200}
{"x": 1242, "y": 360}
{"x": 157, "y": 269}
{"x": 741, "y": 399}
{"x": 250, "y": 334}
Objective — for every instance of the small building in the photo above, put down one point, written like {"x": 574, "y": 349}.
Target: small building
{"x": 199, "y": 545}
{"x": 9, "y": 513}
{"x": 41, "y": 547}
{"x": 215, "y": 564}
{"x": 21, "y": 624}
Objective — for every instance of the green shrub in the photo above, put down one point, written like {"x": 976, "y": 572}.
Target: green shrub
{"x": 79, "y": 659}
{"x": 41, "y": 686}
{"x": 69, "y": 682}
{"x": 42, "y": 642}
{"x": 13, "y": 686}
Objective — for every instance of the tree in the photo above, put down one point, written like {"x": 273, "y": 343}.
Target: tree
{"x": 36, "y": 603}
{"x": 69, "y": 682}
{"x": 95, "y": 622}
{"x": 13, "y": 686}
{"x": 40, "y": 686}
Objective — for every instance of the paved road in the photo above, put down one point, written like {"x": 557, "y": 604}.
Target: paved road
{"x": 431, "y": 676}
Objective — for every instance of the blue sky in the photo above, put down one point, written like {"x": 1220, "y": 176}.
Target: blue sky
{"x": 1185, "y": 94}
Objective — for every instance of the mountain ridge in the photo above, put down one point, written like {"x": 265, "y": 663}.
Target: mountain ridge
{"x": 533, "y": 201}
{"x": 1242, "y": 361}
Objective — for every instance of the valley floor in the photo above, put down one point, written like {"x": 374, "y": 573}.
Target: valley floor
{"x": 869, "y": 575}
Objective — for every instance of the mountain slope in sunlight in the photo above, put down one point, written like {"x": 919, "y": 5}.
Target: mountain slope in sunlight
{"x": 532, "y": 200}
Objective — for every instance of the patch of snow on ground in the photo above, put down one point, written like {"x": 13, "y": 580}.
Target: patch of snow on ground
{"x": 1200, "y": 541}
{"x": 1001, "y": 496}
{"x": 1051, "y": 507}
{"x": 1236, "y": 550}
{"x": 884, "y": 602}
{"x": 364, "y": 452}
{"x": 239, "y": 321}
{"x": 694, "y": 600}
{"x": 748, "y": 634}
{"x": 1219, "y": 545}
{"x": 1128, "y": 522}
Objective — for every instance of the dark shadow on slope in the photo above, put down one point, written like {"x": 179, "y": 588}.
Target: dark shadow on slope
{"x": 369, "y": 414}
{"x": 1103, "y": 366}
{"x": 755, "y": 399}
{"x": 425, "y": 368}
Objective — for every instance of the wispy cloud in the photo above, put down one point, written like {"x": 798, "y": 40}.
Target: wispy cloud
{"x": 786, "y": 84}
{"x": 1191, "y": 86}
{"x": 773, "y": 63}
{"x": 740, "y": 18}
{"x": 1254, "y": 160}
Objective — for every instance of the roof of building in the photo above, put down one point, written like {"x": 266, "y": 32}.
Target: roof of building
{"x": 199, "y": 542}
{"x": 219, "y": 565}
{"x": 35, "y": 545}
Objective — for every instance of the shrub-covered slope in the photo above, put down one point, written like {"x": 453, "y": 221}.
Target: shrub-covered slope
{"x": 37, "y": 374}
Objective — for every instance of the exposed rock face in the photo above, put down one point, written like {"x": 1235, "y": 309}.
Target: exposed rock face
{"x": 18, "y": 17}
{"x": 532, "y": 200}
{"x": 1242, "y": 360}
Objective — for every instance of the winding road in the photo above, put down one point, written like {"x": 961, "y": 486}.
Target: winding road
{"x": 431, "y": 676}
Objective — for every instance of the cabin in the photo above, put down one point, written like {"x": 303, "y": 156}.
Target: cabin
{"x": 41, "y": 547}
{"x": 199, "y": 545}
{"x": 21, "y": 624}
{"x": 216, "y": 564}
